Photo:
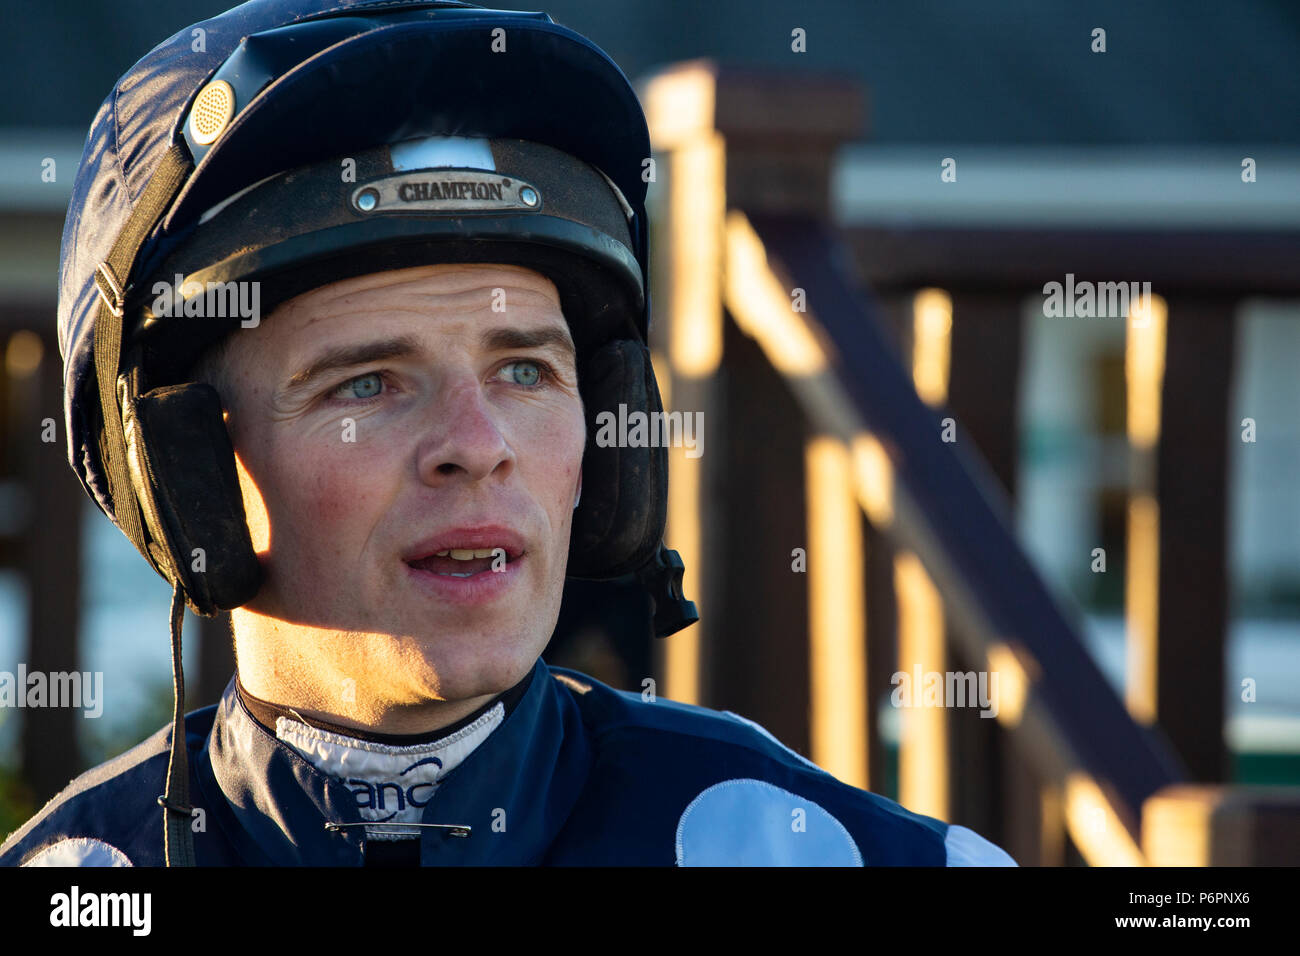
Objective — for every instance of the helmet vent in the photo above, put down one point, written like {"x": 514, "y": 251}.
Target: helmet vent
{"x": 213, "y": 108}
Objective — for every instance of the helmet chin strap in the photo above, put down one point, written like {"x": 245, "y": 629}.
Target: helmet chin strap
{"x": 178, "y": 836}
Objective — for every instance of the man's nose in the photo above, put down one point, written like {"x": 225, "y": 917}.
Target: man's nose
{"x": 464, "y": 439}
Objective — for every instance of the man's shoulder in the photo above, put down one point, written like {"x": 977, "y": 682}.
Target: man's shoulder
{"x": 611, "y": 712}
{"x": 735, "y": 769}
{"x": 109, "y": 815}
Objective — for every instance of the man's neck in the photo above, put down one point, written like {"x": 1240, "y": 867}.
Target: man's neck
{"x": 360, "y": 681}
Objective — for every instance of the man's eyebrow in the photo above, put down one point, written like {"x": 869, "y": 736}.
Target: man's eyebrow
{"x": 347, "y": 356}
{"x": 504, "y": 339}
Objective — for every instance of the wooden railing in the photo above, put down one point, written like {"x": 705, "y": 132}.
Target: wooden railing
{"x": 858, "y": 393}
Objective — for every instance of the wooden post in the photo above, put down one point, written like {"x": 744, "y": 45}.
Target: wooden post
{"x": 760, "y": 641}
{"x": 924, "y": 761}
{"x": 1144, "y": 361}
{"x": 731, "y": 138}
{"x": 983, "y": 394}
{"x": 1191, "y": 484}
{"x": 50, "y": 552}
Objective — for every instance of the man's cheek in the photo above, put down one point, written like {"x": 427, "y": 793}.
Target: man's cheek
{"x": 563, "y": 499}
{"x": 336, "y": 498}
{"x": 347, "y": 491}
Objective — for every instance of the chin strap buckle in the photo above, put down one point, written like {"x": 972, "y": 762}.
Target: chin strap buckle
{"x": 661, "y": 577}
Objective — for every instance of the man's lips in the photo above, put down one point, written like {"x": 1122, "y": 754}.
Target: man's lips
{"x": 476, "y": 582}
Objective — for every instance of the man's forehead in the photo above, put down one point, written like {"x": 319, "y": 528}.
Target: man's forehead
{"x": 441, "y": 279}
{"x": 507, "y": 295}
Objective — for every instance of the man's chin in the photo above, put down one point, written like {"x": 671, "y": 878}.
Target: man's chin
{"x": 465, "y": 666}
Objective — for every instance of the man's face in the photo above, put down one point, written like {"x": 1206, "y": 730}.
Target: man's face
{"x": 380, "y": 420}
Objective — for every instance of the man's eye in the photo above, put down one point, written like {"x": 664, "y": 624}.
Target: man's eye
{"x": 525, "y": 372}
{"x": 362, "y": 387}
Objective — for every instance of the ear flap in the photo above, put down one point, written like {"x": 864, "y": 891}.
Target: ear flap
{"x": 183, "y": 467}
{"x": 619, "y": 523}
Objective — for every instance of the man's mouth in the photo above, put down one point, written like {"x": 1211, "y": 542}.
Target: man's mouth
{"x": 470, "y": 566}
{"x": 464, "y": 562}
{"x": 467, "y": 551}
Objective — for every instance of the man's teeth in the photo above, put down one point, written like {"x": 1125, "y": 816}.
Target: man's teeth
{"x": 469, "y": 554}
